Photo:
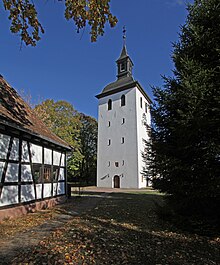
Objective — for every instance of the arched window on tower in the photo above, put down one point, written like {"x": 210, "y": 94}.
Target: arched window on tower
{"x": 109, "y": 104}
{"x": 123, "y": 100}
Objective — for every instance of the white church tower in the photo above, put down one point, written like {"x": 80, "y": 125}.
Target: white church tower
{"x": 123, "y": 119}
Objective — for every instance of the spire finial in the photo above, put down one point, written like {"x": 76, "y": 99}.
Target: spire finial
{"x": 124, "y": 34}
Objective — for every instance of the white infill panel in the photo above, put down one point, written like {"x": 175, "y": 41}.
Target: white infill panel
{"x": 1, "y": 169}
{"x": 36, "y": 153}
{"x": 14, "y": 150}
{"x": 25, "y": 154}
{"x": 47, "y": 190}
{"x": 26, "y": 173}
{"x": 9, "y": 195}
{"x": 63, "y": 160}
{"x": 54, "y": 189}
{"x": 12, "y": 173}
{"x": 27, "y": 193}
{"x": 4, "y": 144}
{"x": 61, "y": 174}
{"x": 56, "y": 158}
{"x": 39, "y": 191}
{"x": 61, "y": 188}
{"x": 47, "y": 156}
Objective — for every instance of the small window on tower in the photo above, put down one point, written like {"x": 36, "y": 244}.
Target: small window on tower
{"x": 122, "y": 140}
{"x": 123, "y": 120}
{"x": 109, "y": 163}
{"x": 141, "y": 102}
{"x": 146, "y": 107}
{"x": 109, "y": 124}
{"x": 122, "y": 67}
{"x": 109, "y": 104}
{"x": 123, "y": 162}
{"x": 109, "y": 141}
{"x": 123, "y": 100}
{"x": 116, "y": 164}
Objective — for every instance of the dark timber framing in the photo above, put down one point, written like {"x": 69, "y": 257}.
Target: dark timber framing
{"x": 6, "y": 165}
{"x": 31, "y": 139}
{"x": 29, "y": 179}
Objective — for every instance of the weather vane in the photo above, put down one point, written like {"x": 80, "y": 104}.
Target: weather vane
{"x": 124, "y": 34}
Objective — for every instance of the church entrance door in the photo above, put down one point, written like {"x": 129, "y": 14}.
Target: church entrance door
{"x": 116, "y": 181}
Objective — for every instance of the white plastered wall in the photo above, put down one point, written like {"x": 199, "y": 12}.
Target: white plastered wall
{"x": 47, "y": 156}
{"x": 123, "y": 153}
{"x": 4, "y": 144}
{"x": 134, "y": 131}
{"x": 9, "y": 195}
{"x": 61, "y": 188}
{"x": 27, "y": 193}
{"x": 143, "y": 119}
{"x": 36, "y": 153}
{"x": 56, "y": 158}
{"x": 26, "y": 174}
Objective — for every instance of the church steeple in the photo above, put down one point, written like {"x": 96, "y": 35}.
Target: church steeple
{"x": 124, "y": 62}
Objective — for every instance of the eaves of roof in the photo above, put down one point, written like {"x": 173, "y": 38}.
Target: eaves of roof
{"x": 15, "y": 113}
{"x": 35, "y": 135}
{"x": 122, "y": 87}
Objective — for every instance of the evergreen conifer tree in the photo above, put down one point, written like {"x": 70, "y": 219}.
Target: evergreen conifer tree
{"x": 184, "y": 155}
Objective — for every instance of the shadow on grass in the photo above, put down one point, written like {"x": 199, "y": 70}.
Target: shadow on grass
{"x": 137, "y": 209}
{"x": 129, "y": 227}
{"x": 154, "y": 203}
{"x": 121, "y": 228}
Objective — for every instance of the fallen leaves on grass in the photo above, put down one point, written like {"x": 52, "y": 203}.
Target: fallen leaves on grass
{"x": 10, "y": 227}
{"x": 121, "y": 231}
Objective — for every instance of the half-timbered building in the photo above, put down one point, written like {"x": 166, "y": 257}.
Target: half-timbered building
{"x": 32, "y": 158}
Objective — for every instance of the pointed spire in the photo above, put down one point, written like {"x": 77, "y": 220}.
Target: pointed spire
{"x": 124, "y": 62}
{"x": 124, "y": 35}
{"x": 124, "y": 52}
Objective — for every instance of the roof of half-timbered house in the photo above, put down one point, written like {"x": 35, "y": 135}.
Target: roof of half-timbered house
{"x": 15, "y": 113}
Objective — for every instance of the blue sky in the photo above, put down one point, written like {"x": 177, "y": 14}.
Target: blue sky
{"x": 67, "y": 66}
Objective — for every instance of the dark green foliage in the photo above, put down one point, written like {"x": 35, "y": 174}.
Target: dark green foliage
{"x": 88, "y": 137}
{"x": 185, "y": 154}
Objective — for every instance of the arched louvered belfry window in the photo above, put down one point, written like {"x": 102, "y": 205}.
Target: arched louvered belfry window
{"x": 109, "y": 104}
{"x": 123, "y": 100}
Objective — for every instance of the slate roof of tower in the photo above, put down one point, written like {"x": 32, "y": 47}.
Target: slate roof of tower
{"x": 128, "y": 80}
{"x": 124, "y": 53}
{"x": 122, "y": 84}
{"x": 15, "y": 112}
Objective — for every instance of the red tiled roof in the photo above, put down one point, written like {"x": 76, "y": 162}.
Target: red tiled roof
{"x": 15, "y": 112}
